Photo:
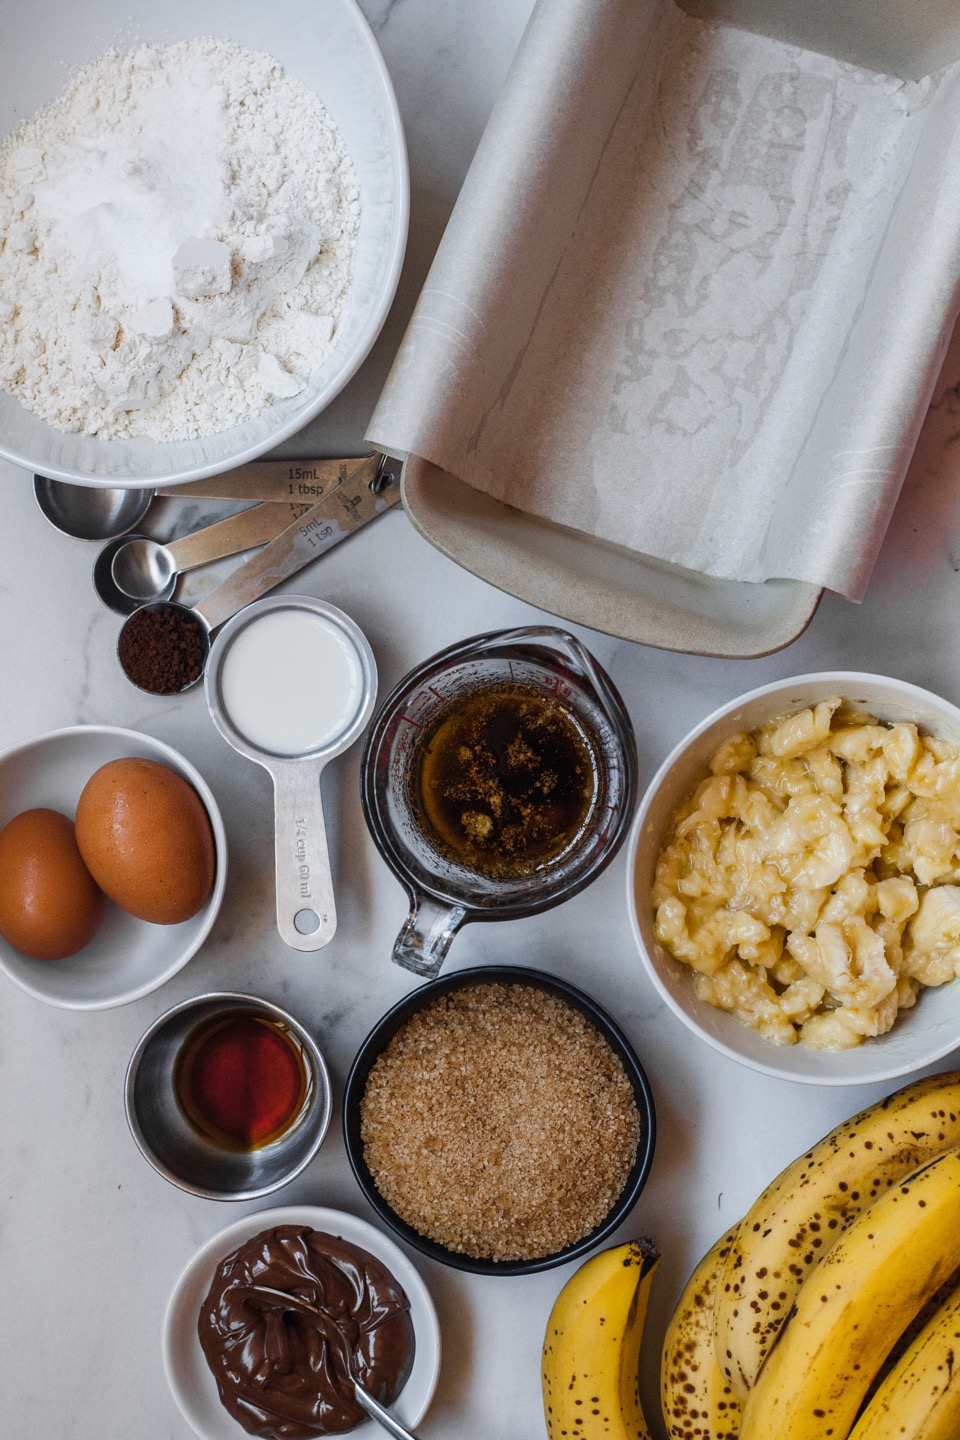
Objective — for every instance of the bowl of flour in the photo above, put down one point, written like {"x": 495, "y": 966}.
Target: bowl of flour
{"x": 201, "y": 231}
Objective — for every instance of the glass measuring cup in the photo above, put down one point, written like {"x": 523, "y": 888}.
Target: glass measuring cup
{"x": 283, "y": 721}
{"x": 445, "y": 893}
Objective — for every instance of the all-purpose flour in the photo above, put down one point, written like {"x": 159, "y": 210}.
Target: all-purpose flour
{"x": 177, "y": 235}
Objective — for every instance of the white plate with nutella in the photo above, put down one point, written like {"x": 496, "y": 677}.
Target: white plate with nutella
{"x": 239, "y": 1364}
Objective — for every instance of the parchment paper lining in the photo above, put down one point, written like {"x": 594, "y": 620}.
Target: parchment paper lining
{"x": 694, "y": 295}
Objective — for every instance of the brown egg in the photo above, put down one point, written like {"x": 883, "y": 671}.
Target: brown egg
{"x": 146, "y": 839}
{"x": 50, "y": 905}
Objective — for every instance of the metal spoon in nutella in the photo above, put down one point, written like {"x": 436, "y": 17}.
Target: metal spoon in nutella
{"x": 336, "y": 1341}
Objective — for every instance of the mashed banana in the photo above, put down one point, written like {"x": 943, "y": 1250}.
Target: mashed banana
{"x": 812, "y": 880}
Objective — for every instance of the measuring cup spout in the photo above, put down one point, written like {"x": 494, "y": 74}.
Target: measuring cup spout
{"x": 423, "y": 942}
{"x": 559, "y": 643}
{"x": 576, "y": 656}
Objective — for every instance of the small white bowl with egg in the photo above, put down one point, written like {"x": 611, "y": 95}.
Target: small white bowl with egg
{"x": 329, "y": 48}
{"x": 919, "y": 1035}
{"x": 127, "y": 957}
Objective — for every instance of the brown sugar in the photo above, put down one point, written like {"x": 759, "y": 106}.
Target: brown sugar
{"x": 499, "y": 1123}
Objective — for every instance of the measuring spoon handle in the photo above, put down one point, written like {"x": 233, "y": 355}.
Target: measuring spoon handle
{"x": 232, "y": 535}
{"x": 339, "y": 514}
{"x": 306, "y": 911}
{"x": 303, "y": 481}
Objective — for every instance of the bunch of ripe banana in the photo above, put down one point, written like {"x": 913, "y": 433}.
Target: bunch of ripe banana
{"x": 833, "y": 1308}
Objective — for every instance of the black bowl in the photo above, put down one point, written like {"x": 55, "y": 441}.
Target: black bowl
{"x": 381, "y": 1035}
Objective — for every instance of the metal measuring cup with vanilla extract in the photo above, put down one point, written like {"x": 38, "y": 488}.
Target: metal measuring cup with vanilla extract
{"x": 203, "y": 1131}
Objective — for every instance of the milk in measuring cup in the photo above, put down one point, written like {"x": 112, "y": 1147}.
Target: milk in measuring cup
{"x": 291, "y": 682}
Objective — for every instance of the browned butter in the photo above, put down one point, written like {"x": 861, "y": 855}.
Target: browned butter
{"x": 506, "y": 780}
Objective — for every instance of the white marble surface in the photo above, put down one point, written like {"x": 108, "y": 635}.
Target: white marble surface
{"x": 91, "y": 1239}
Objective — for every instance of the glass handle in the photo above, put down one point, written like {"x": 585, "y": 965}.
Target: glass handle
{"x": 425, "y": 938}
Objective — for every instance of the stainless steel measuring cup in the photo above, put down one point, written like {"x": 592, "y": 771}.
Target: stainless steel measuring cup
{"x": 444, "y": 891}
{"x": 306, "y": 909}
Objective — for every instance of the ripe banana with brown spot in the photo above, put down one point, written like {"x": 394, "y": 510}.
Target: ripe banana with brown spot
{"x": 807, "y": 1208}
{"x": 852, "y": 1308}
{"x": 591, "y": 1348}
{"x": 920, "y": 1398}
{"x": 696, "y": 1400}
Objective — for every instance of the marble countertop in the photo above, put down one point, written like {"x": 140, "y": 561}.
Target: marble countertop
{"x": 91, "y": 1239}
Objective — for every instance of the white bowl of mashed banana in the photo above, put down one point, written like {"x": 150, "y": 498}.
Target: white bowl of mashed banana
{"x": 793, "y": 878}
{"x": 203, "y": 217}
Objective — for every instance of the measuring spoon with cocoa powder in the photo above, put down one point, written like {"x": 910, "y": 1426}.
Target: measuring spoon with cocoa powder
{"x": 162, "y": 647}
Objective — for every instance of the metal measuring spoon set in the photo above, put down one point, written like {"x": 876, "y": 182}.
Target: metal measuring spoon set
{"x": 370, "y": 490}
{"x": 133, "y": 569}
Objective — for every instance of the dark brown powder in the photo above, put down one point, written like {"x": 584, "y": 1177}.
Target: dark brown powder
{"x": 162, "y": 648}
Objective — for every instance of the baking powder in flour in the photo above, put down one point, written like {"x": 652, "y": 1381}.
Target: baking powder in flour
{"x": 177, "y": 237}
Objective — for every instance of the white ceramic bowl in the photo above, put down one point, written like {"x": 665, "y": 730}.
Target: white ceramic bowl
{"x": 329, "y": 46}
{"x": 921, "y": 1035}
{"x": 191, "y": 1379}
{"x": 127, "y": 958}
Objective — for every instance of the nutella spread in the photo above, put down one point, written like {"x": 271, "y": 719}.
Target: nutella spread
{"x": 276, "y": 1369}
